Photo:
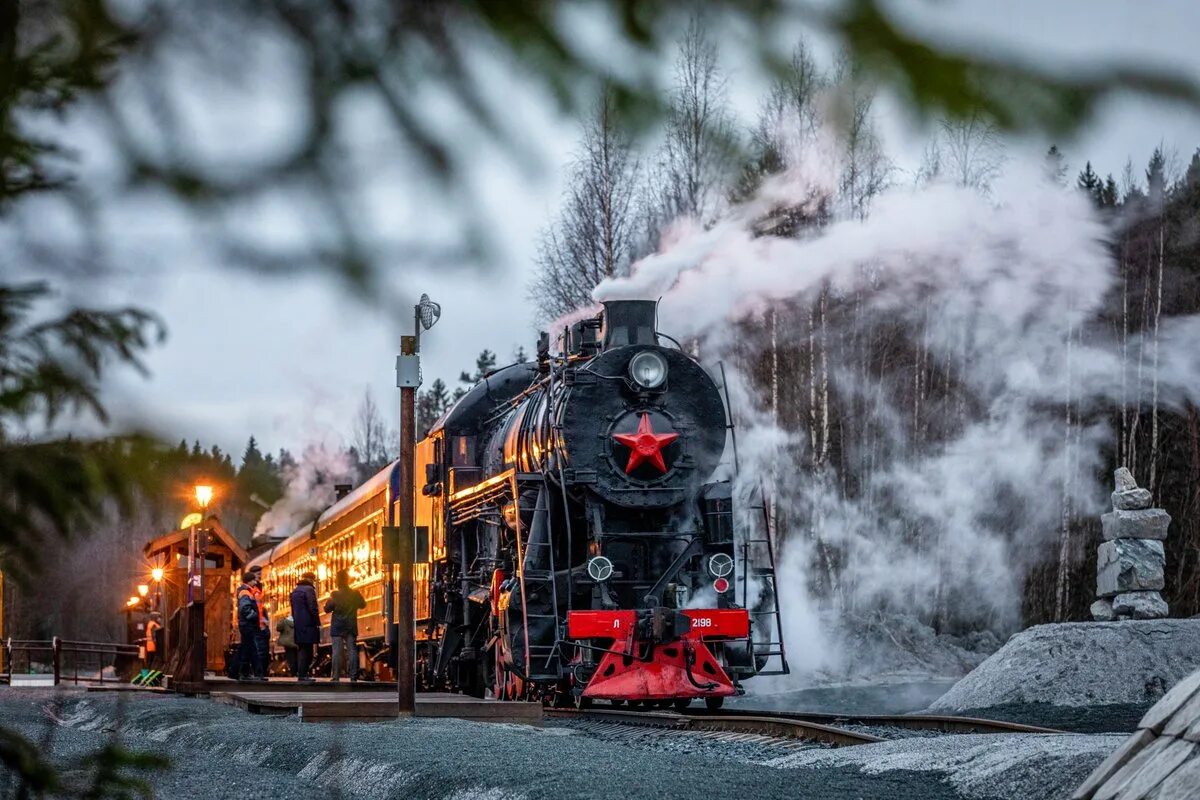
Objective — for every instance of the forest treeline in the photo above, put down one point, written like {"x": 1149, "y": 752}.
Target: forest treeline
{"x": 626, "y": 193}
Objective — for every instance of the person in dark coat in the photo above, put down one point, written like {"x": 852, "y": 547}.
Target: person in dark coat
{"x": 344, "y": 605}
{"x": 307, "y": 621}
{"x": 248, "y": 627}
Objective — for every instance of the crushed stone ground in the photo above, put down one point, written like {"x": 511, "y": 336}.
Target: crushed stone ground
{"x": 1081, "y": 665}
{"x": 222, "y": 752}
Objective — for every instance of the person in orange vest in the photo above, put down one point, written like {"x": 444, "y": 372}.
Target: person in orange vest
{"x": 248, "y": 617}
{"x": 153, "y": 627}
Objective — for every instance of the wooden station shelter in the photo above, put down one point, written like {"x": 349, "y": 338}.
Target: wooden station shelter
{"x": 225, "y": 557}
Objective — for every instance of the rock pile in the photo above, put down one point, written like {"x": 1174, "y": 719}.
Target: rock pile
{"x": 1129, "y": 568}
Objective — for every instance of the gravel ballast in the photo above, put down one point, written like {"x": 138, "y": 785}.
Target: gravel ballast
{"x": 221, "y": 752}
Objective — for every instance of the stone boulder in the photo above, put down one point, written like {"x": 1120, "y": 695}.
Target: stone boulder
{"x": 1123, "y": 479}
{"x": 1081, "y": 664}
{"x": 1102, "y": 611}
{"x": 1129, "y": 565}
{"x": 1140, "y": 605}
{"x": 1146, "y": 523}
{"x": 1132, "y": 499}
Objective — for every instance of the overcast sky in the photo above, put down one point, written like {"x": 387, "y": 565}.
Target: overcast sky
{"x": 287, "y": 360}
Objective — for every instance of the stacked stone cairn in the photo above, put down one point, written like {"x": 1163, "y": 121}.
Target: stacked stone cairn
{"x": 1129, "y": 569}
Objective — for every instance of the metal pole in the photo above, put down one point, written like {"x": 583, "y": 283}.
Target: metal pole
{"x": 405, "y": 638}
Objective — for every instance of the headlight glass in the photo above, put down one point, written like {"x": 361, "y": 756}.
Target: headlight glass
{"x": 648, "y": 369}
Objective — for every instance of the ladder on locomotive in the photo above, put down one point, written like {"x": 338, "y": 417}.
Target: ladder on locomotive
{"x": 539, "y": 659}
{"x": 763, "y": 569}
{"x": 774, "y": 646}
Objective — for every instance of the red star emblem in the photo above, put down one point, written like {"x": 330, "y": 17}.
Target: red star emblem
{"x": 645, "y": 445}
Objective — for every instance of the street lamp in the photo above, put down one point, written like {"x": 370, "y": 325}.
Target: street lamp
{"x": 160, "y": 605}
{"x": 143, "y": 590}
{"x": 195, "y": 591}
{"x": 408, "y": 377}
{"x": 204, "y": 495}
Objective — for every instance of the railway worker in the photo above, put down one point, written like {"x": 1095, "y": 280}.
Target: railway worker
{"x": 344, "y": 605}
{"x": 249, "y": 624}
{"x": 286, "y": 628}
{"x": 153, "y": 636}
{"x": 306, "y": 620}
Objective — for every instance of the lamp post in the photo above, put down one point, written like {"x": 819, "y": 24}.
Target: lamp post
{"x": 157, "y": 574}
{"x": 408, "y": 378}
{"x": 195, "y": 587}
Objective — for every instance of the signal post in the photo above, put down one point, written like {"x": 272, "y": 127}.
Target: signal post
{"x": 408, "y": 378}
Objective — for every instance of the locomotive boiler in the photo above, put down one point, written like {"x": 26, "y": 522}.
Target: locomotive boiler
{"x": 573, "y": 543}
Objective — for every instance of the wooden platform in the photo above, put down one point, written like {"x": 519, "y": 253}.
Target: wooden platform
{"x": 215, "y": 684}
{"x": 317, "y": 704}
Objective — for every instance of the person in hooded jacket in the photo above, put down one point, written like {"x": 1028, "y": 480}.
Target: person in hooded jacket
{"x": 249, "y": 622}
{"x": 306, "y": 620}
{"x": 344, "y": 605}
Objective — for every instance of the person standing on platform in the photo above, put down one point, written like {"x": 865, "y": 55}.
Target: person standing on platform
{"x": 153, "y": 637}
{"x": 262, "y": 641}
{"x": 286, "y": 628}
{"x": 307, "y": 622}
{"x": 344, "y": 605}
{"x": 248, "y": 627}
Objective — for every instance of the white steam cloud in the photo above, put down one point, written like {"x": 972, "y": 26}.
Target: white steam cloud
{"x": 995, "y": 292}
{"x": 308, "y": 490}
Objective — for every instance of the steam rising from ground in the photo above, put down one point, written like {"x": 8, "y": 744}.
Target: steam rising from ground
{"x": 308, "y": 490}
{"x": 995, "y": 290}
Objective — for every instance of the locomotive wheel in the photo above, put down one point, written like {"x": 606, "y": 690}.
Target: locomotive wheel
{"x": 582, "y": 702}
{"x": 714, "y": 703}
{"x": 682, "y": 703}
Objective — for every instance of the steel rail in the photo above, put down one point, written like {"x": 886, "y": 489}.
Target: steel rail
{"x": 937, "y": 722}
{"x": 769, "y": 725}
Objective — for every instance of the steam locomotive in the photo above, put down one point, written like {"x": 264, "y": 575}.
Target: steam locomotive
{"x": 572, "y": 544}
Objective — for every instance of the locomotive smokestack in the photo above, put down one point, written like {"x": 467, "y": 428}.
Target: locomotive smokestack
{"x": 629, "y": 322}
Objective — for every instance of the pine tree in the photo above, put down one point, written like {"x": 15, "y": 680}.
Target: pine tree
{"x": 1192, "y": 179}
{"x": 252, "y": 458}
{"x": 1109, "y": 194}
{"x": 1090, "y": 182}
{"x": 1056, "y": 166}
{"x": 1156, "y": 177}
{"x": 431, "y": 404}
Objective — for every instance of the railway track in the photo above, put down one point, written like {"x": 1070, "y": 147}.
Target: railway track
{"x": 826, "y": 729}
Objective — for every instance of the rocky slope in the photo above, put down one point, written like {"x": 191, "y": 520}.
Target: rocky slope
{"x": 1124, "y": 667}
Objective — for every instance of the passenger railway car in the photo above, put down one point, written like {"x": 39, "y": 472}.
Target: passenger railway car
{"x": 573, "y": 543}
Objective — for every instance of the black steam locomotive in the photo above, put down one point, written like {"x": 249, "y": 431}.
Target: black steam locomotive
{"x": 574, "y": 545}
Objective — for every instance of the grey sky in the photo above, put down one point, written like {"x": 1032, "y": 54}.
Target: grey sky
{"x": 288, "y": 359}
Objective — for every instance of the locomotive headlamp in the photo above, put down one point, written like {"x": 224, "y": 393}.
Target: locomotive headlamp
{"x": 599, "y": 568}
{"x": 648, "y": 369}
{"x": 720, "y": 565}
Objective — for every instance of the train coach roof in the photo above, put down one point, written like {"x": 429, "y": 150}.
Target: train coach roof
{"x": 369, "y": 487}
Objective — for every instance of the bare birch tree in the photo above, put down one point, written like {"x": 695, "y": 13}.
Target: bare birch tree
{"x": 967, "y": 151}
{"x": 373, "y": 443}
{"x": 593, "y": 237}
{"x": 696, "y": 160}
